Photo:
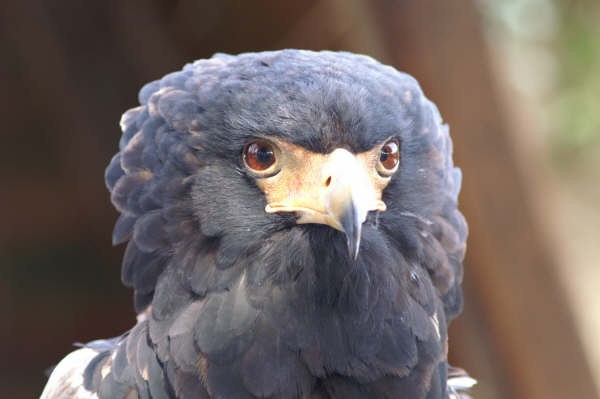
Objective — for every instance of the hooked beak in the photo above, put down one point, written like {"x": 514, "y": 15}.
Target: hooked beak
{"x": 352, "y": 222}
{"x": 338, "y": 193}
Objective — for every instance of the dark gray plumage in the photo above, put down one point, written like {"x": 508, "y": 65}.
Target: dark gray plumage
{"x": 235, "y": 302}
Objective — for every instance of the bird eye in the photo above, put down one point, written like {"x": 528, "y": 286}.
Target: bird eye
{"x": 389, "y": 157}
{"x": 259, "y": 155}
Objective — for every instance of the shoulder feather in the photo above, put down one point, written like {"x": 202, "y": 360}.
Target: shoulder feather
{"x": 66, "y": 380}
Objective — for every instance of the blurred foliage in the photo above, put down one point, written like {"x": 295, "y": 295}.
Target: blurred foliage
{"x": 576, "y": 110}
{"x": 552, "y": 51}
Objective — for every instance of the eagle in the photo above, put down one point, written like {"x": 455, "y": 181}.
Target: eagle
{"x": 292, "y": 229}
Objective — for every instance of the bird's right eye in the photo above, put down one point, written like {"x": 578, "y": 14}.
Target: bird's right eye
{"x": 259, "y": 155}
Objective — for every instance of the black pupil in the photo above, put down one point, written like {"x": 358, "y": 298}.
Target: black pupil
{"x": 264, "y": 155}
{"x": 385, "y": 153}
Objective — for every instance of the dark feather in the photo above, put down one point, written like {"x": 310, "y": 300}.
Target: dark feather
{"x": 184, "y": 352}
{"x": 189, "y": 386}
{"x": 237, "y": 303}
{"x": 224, "y": 327}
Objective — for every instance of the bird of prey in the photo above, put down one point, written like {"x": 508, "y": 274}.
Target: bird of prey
{"x": 292, "y": 232}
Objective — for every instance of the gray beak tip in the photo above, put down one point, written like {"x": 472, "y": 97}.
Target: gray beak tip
{"x": 352, "y": 224}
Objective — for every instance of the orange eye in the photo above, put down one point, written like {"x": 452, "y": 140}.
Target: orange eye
{"x": 259, "y": 155}
{"x": 389, "y": 157}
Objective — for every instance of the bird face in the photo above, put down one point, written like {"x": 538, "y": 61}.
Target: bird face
{"x": 238, "y": 160}
{"x": 336, "y": 189}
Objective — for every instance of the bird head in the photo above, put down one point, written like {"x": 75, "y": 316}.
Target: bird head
{"x": 233, "y": 151}
{"x": 336, "y": 189}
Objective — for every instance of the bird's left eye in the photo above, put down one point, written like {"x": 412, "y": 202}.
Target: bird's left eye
{"x": 389, "y": 157}
{"x": 259, "y": 155}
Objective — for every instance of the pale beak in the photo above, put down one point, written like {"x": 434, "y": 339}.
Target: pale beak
{"x": 338, "y": 193}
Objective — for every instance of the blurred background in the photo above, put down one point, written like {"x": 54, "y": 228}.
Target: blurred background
{"x": 517, "y": 81}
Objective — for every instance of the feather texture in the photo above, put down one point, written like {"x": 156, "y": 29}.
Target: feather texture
{"x": 238, "y": 303}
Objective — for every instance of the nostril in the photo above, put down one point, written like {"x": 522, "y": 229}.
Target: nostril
{"x": 328, "y": 181}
